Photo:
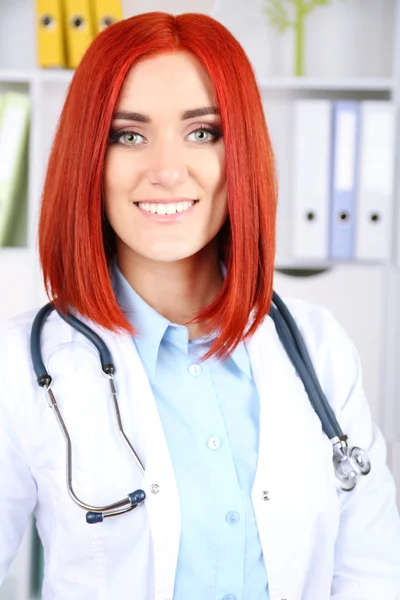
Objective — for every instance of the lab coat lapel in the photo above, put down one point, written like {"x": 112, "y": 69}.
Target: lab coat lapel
{"x": 294, "y": 463}
{"x": 143, "y": 426}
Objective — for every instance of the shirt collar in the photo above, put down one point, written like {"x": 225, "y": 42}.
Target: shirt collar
{"x": 149, "y": 324}
{"x": 241, "y": 359}
{"x": 151, "y": 327}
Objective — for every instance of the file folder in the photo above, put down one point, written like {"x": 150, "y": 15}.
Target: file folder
{"x": 376, "y": 187}
{"x": 79, "y": 30}
{"x": 105, "y": 13}
{"x": 311, "y": 168}
{"x": 280, "y": 116}
{"x": 14, "y": 126}
{"x": 344, "y": 179}
{"x": 50, "y": 33}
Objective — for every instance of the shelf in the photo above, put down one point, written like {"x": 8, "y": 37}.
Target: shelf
{"x": 33, "y": 75}
{"x": 54, "y": 75}
{"x": 324, "y": 265}
{"x": 15, "y": 76}
{"x": 379, "y": 84}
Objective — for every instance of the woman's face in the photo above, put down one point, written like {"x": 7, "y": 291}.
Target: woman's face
{"x": 164, "y": 180}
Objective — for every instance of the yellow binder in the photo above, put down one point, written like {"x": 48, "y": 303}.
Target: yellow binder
{"x": 50, "y": 35}
{"x": 79, "y": 29}
{"x": 105, "y": 13}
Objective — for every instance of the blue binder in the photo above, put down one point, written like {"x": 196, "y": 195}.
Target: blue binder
{"x": 345, "y": 151}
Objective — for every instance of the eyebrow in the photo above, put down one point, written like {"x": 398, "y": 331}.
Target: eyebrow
{"x": 188, "y": 114}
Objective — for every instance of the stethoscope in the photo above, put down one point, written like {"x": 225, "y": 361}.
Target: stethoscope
{"x": 349, "y": 463}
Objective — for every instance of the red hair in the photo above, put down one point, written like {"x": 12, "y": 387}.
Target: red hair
{"x": 76, "y": 242}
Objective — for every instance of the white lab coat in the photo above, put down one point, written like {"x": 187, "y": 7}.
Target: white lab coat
{"x": 318, "y": 543}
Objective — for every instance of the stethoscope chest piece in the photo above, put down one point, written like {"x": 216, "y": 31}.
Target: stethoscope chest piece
{"x": 349, "y": 463}
{"x": 360, "y": 460}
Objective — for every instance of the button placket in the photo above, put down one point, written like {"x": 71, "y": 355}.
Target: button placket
{"x": 232, "y": 517}
{"x": 214, "y": 443}
{"x": 195, "y": 370}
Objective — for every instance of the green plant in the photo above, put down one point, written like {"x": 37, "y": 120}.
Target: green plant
{"x": 285, "y": 14}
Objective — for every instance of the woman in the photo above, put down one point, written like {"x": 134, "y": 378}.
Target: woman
{"x": 157, "y": 231}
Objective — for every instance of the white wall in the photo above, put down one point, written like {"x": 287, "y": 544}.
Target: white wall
{"x": 135, "y": 7}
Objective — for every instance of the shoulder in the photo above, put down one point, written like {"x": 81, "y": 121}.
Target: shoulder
{"x": 15, "y": 352}
{"x": 316, "y": 323}
{"x": 15, "y": 337}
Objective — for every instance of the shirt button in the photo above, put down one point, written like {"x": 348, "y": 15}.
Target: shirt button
{"x": 214, "y": 443}
{"x": 229, "y": 597}
{"x": 266, "y": 495}
{"x": 232, "y": 517}
{"x": 195, "y": 370}
{"x": 155, "y": 488}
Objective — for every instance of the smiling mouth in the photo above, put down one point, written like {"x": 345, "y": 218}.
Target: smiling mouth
{"x": 169, "y": 208}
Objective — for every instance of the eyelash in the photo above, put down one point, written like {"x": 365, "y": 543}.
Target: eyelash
{"x": 114, "y": 137}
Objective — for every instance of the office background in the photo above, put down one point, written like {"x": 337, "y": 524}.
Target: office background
{"x": 352, "y": 55}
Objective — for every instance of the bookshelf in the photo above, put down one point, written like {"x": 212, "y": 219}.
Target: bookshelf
{"x": 358, "y": 71}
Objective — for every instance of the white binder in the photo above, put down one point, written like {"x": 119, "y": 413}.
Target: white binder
{"x": 376, "y": 183}
{"x": 279, "y": 118}
{"x": 311, "y": 170}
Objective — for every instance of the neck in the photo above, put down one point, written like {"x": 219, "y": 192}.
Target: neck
{"x": 176, "y": 290}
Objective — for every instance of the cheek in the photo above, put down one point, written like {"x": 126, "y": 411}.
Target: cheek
{"x": 214, "y": 178}
{"x": 119, "y": 176}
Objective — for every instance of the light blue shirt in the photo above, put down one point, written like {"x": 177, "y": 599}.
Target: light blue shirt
{"x": 210, "y": 417}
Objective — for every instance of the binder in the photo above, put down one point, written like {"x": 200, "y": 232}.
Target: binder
{"x": 105, "y": 13}
{"x": 279, "y": 116}
{"x": 376, "y": 186}
{"x": 311, "y": 170}
{"x": 78, "y": 28}
{"x": 50, "y": 34}
{"x": 344, "y": 178}
{"x": 14, "y": 126}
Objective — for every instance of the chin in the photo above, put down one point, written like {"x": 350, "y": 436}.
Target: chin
{"x": 167, "y": 253}
{"x": 169, "y": 257}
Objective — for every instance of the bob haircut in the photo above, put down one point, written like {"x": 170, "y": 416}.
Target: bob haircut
{"x": 76, "y": 242}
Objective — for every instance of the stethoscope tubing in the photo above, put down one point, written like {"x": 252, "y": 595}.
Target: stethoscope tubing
{"x": 290, "y": 335}
{"x": 36, "y": 354}
{"x": 133, "y": 500}
{"x": 348, "y": 462}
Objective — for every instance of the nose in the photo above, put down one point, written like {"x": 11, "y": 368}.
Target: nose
{"x": 167, "y": 167}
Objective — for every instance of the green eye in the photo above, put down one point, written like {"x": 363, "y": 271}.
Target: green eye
{"x": 128, "y": 138}
{"x": 204, "y": 135}
{"x": 201, "y": 134}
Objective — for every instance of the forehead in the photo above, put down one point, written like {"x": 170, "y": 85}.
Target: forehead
{"x": 174, "y": 80}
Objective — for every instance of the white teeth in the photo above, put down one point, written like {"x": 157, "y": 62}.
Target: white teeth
{"x": 165, "y": 209}
{"x": 161, "y": 209}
